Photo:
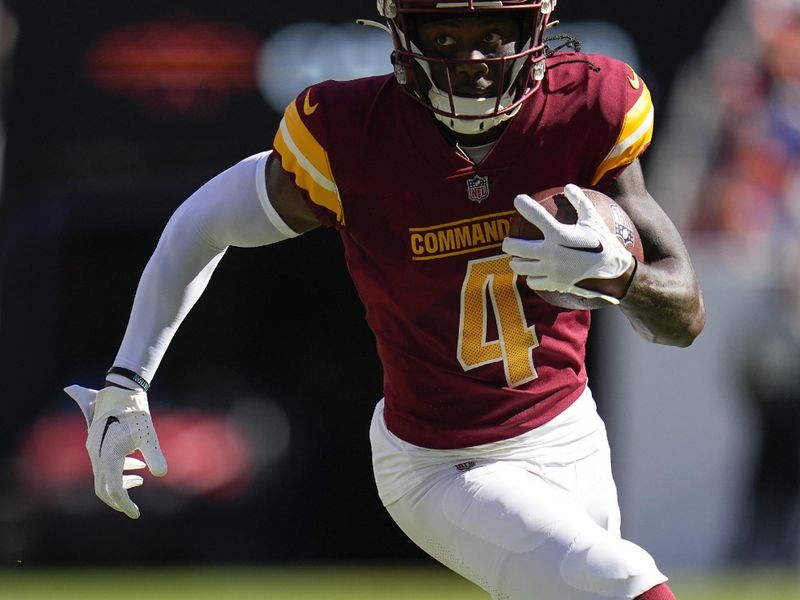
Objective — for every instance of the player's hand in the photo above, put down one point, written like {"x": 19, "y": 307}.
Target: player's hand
{"x": 569, "y": 253}
{"x": 119, "y": 424}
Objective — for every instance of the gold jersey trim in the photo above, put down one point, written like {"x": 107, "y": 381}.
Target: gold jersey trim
{"x": 635, "y": 136}
{"x": 303, "y": 156}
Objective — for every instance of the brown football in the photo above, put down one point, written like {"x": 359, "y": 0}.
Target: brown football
{"x": 615, "y": 218}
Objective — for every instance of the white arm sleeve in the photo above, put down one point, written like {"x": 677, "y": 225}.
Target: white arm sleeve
{"x": 230, "y": 210}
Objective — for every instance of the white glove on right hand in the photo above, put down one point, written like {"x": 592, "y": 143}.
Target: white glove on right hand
{"x": 119, "y": 424}
{"x": 569, "y": 253}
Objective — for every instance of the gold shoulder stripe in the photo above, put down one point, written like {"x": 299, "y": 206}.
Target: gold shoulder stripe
{"x": 303, "y": 156}
{"x": 636, "y": 133}
{"x": 640, "y": 113}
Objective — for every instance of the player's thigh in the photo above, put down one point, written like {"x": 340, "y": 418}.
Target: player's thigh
{"x": 595, "y": 490}
{"x": 518, "y": 536}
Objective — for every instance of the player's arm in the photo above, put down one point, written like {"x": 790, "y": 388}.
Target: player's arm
{"x": 240, "y": 207}
{"x": 233, "y": 209}
{"x": 664, "y": 302}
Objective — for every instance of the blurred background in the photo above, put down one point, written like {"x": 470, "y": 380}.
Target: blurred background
{"x": 113, "y": 113}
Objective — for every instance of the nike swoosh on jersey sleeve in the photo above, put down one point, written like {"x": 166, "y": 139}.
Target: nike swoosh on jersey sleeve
{"x": 633, "y": 138}
{"x": 304, "y": 157}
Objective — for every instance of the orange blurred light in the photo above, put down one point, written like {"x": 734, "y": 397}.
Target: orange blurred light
{"x": 179, "y": 67}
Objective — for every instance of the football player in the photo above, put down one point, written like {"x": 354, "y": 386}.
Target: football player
{"x": 487, "y": 447}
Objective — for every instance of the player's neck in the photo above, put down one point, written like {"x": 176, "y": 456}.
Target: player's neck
{"x": 469, "y": 141}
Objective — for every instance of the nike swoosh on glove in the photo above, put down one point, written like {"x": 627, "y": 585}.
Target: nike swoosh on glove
{"x": 569, "y": 253}
{"x": 119, "y": 424}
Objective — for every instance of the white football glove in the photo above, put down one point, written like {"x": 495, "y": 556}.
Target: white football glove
{"x": 568, "y": 253}
{"x": 119, "y": 424}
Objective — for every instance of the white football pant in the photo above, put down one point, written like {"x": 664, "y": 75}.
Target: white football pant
{"x": 513, "y": 520}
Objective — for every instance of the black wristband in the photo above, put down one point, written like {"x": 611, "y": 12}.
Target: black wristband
{"x": 132, "y": 375}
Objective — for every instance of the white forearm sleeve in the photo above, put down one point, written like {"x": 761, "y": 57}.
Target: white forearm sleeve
{"x": 230, "y": 210}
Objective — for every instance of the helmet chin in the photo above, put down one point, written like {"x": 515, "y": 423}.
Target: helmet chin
{"x": 481, "y": 111}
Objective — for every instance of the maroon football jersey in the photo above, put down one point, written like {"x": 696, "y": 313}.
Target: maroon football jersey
{"x": 470, "y": 354}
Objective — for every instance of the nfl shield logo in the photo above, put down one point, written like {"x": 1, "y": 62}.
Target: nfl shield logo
{"x": 621, "y": 228}
{"x": 478, "y": 188}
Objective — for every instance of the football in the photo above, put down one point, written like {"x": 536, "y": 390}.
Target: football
{"x": 615, "y": 218}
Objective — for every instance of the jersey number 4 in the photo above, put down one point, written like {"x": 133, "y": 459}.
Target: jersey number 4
{"x": 491, "y": 284}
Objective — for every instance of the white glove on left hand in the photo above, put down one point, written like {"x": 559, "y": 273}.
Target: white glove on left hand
{"x": 568, "y": 253}
{"x": 119, "y": 424}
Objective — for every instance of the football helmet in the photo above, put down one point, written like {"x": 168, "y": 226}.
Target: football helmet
{"x": 520, "y": 73}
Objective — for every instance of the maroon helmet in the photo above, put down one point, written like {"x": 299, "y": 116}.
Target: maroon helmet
{"x": 520, "y": 73}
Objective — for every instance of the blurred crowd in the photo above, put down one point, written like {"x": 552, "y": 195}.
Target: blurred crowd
{"x": 734, "y": 148}
{"x": 752, "y": 184}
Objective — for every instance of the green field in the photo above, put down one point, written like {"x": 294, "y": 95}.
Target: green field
{"x": 326, "y": 583}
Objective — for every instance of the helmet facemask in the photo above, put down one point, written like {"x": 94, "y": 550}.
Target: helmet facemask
{"x": 518, "y": 75}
